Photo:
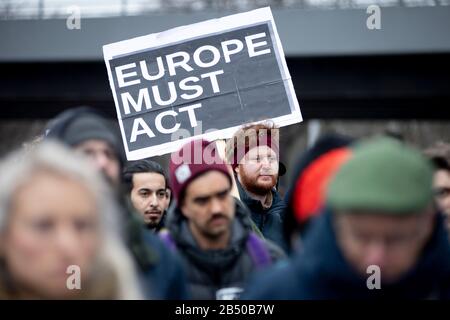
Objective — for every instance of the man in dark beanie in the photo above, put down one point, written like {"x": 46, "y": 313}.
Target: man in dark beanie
{"x": 89, "y": 132}
{"x": 253, "y": 153}
{"x": 210, "y": 231}
{"x": 379, "y": 236}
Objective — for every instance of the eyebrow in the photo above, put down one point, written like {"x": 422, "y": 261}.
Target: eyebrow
{"x": 204, "y": 198}
{"x": 148, "y": 189}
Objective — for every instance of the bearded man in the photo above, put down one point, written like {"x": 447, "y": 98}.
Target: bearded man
{"x": 253, "y": 153}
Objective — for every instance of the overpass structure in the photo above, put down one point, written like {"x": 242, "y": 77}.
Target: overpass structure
{"x": 340, "y": 68}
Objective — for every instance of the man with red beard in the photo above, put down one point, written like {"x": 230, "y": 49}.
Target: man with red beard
{"x": 253, "y": 153}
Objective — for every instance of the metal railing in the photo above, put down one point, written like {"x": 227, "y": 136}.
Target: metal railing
{"x": 45, "y": 9}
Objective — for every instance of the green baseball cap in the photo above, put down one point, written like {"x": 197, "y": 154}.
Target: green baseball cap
{"x": 383, "y": 175}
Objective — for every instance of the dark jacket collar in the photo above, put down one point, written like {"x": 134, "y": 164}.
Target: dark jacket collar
{"x": 256, "y": 204}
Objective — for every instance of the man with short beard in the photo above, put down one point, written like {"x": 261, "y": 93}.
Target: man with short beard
{"x": 209, "y": 229}
{"x": 146, "y": 185}
{"x": 253, "y": 153}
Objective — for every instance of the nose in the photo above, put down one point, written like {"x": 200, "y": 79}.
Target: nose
{"x": 376, "y": 254}
{"x": 100, "y": 160}
{"x": 265, "y": 164}
{"x": 265, "y": 161}
{"x": 67, "y": 242}
{"x": 153, "y": 200}
{"x": 216, "y": 205}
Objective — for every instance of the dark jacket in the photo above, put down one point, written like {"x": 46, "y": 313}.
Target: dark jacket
{"x": 210, "y": 272}
{"x": 159, "y": 270}
{"x": 320, "y": 271}
{"x": 270, "y": 221}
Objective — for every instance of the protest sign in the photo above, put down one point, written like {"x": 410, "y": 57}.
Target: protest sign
{"x": 205, "y": 79}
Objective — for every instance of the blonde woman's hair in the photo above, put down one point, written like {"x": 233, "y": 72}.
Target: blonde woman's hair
{"x": 18, "y": 167}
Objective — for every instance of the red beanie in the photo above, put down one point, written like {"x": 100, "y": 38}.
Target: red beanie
{"x": 192, "y": 160}
{"x": 309, "y": 191}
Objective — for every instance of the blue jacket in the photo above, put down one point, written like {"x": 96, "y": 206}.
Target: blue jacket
{"x": 320, "y": 271}
{"x": 270, "y": 221}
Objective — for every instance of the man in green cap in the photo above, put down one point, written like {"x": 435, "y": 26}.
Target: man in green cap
{"x": 379, "y": 237}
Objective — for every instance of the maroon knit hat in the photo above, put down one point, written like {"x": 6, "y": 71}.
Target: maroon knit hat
{"x": 193, "y": 159}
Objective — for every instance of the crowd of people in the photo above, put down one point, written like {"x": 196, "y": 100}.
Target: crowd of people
{"x": 362, "y": 218}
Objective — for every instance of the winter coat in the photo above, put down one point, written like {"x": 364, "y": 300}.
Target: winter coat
{"x": 269, "y": 221}
{"x": 218, "y": 274}
{"x": 320, "y": 271}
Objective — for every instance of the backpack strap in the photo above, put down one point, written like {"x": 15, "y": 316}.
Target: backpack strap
{"x": 167, "y": 239}
{"x": 258, "y": 251}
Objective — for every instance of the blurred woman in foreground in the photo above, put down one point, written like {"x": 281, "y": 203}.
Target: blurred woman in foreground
{"x": 59, "y": 230}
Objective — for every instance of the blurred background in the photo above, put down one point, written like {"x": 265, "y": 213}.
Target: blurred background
{"x": 348, "y": 79}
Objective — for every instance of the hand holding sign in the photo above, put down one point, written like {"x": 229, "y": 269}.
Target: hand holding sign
{"x": 233, "y": 74}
